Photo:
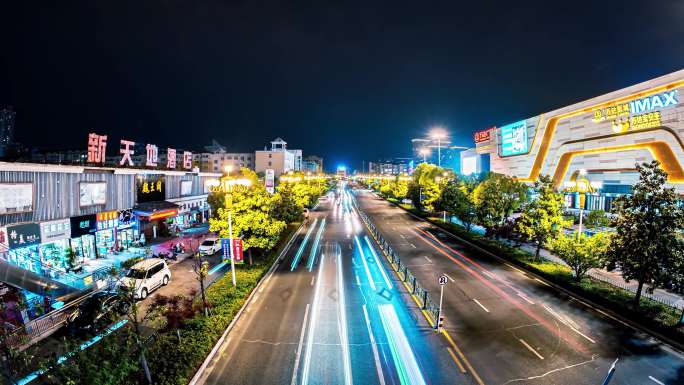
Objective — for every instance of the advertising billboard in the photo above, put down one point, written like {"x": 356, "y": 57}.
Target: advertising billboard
{"x": 91, "y": 194}
{"x": 16, "y": 197}
{"x": 514, "y": 139}
{"x": 186, "y": 188}
{"x": 270, "y": 180}
{"x": 150, "y": 188}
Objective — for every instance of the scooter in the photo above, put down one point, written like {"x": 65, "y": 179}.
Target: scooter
{"x": 171, "y": 256}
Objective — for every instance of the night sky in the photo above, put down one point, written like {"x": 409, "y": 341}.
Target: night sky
{"x": 347, "y": 82}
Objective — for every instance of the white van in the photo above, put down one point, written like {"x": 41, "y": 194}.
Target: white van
{"x": 146, "y": 276}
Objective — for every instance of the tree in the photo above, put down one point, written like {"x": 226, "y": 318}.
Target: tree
{"x": 581, "y": 252}
{"x": 597, "y": 218}
{"x": 250, "y": 208}
{"x": 647, "y": 245}
{"x": 542, "y": 218}
{"x": 425, "y": 189}
{"x": 285, "y": 206}
{"x": 496, "y": 198}
{"x": 201, "y": 269}
{"x": 457, "y": 200}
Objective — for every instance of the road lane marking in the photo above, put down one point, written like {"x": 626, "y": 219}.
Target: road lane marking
{"x": 378, "y": 263}
{"x": 428, "y": 259}
{"x": 463, "y": 358}
{"x": 450, "y": 279}
{"x": 299, "y": 347}
{"x": 358, "y": 281}
{"x": 522, "y": 341}
{"x": 488, "y": 274}
{"x": 453, "y": 357}
{"x": 412, "y": 245}
{"x": 376, "y": 356}
{"x": 525, "y": 298}
{"x": 268, "y": 279}
{"x": 654, "y": 380}
{"x": 580, "y": 333}
{"x": 482, "y": 306}
{"x": 542, "y": 282}
{"x": 312, "y": 280}
{"x": 402, "y": 236}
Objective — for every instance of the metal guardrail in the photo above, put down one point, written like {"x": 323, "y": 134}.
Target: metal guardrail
{"x": 419, "y": 292}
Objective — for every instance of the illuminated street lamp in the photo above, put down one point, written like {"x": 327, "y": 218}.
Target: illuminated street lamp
{"x": 424, "y": 152}
{"x": 439, "y": 134}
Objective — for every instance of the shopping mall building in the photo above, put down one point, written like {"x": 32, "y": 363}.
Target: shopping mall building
{"x": 598, "y": 141}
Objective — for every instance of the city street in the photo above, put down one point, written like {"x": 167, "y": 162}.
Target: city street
{"x": 512, "y": 327}
{"x": 332, "y": 313}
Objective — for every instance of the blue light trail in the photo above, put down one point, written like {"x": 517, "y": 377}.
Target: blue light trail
{"x": 298, "y": 256}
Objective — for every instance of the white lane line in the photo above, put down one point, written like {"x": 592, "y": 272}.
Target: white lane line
{"x": 402, "y": 236}
{"x": 481, "y": 305}
{"x": 488, "y": 274}
{"x": 312, "y": 280}
{"x": 580, "y": 333}
{"x": 525, "y": 298}
{"x": 654, "y": 380}
{"x": 376, "y": 356}
{"x": 299, "y": 347}
{"x": 522, "y": 341}
{"x": 412, "y": 245}
{"x": 450, "y": 279}
{"x": 515, "y": 268}
{"x": 358, "y": 281}
{"x": 542, "y": 282}
{"x": 265, "y": 283}
{"x": 428, "y": 259}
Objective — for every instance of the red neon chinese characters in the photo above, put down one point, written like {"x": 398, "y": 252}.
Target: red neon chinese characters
{"x": 126, "y": 152}
{"x": 170, "y": 158}
{"x": 96, "y": 148}
{"x": 152, "y": 155}
{"x": 187, "y": 160}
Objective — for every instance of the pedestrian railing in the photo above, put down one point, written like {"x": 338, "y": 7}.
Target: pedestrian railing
{"x": 414, "y": 287}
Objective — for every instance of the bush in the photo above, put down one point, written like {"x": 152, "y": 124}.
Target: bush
{"x": 127, "y": 264}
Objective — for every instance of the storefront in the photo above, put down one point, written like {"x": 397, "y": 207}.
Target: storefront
{"x": 55, "y": 249}
{"x": 83, "y": 230}
{"x": 127, "y": 232}
{"x": 22, "y": 242}
{"x": 156, "y": 218}
{"x": 191, "y": 211}
{"x": 105, "y": 236}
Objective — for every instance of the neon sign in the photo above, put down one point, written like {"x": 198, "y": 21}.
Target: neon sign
{"x": 514, "y": 138}
{"x": 637, "y": 114}
{"x": 484, "y": 135}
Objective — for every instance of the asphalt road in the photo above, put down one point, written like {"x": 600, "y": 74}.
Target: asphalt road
{"x": 515, "y": 329}
{"x": 332, "y": 313}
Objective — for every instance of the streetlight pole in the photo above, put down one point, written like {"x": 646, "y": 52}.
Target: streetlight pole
{"x": 230, "y": 246}
{"x": 439, "y": 151}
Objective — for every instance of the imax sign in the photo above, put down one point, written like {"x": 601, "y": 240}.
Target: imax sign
{"x": 651, "y": 103}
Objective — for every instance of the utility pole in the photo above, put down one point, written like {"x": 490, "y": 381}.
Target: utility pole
{"x": 230, "y": 246}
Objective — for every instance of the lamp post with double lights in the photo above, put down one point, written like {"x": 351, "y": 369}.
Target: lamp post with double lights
{"x": 424, "y": 152}
{"x": 438, "y": 134}
{"x": 579, "y": 183}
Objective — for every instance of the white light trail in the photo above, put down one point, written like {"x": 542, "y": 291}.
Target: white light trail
{"x": 344, "y": 338}
{"x": 312, "y": 324}
{"x": 404, "y": 359}
{"x": 379, "y": 263}
{"x": 365, "y": 264}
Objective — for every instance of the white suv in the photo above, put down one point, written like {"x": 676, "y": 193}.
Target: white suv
{"x": 210, "y": 246}
{"x": 146, "y": 276}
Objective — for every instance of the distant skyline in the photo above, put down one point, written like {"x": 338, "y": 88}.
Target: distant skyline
{"x": 348, "y": 82}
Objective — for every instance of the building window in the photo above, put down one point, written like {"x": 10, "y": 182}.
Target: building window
{"x": 269, "y": 163}
{"x": 270, "y": 155}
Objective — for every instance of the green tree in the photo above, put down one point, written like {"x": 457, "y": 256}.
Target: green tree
{"x": 647, "y": 245}
{"x": 457, "y": 200}
{"x": 581, "y": 252}
{"x": 250, "y": 208}
{"x": 426, "y": 187}
{"x": 542, "y": 218}
{"x": 496, "y": 198}
{"x": 597, "y": 218}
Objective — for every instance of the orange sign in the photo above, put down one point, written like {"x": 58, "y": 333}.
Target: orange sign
{"x": 484, "y": 135}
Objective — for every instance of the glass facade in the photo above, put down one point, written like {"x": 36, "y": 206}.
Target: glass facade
{"x": 105, "y": 241}
{"x": 84, "y": 247}
{"x": 27, "y": 258}
{"x": 126, "y": 237}
{"x": 56, "y": 254}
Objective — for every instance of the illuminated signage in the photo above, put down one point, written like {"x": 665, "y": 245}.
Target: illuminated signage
{"x": 637, "y": 114}
{"x": 150, "y": 188}
{"x": 469, "y": 165}
{"x": 484, "y": 135}
{"x": 514, "y": 138}
{"x": 107, "y": 220}
{"x": 97, "y": 146}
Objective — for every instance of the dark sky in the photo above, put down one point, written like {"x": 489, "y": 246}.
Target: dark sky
{"x": 348, "y": 82}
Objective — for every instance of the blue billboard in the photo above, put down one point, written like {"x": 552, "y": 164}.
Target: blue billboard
{"x": 514, "y": 139}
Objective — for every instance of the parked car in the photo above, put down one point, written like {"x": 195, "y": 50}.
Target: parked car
{"x": 210, "y": 246}
{"x": 146, "y": 276}
{"x": 96, "y": 312}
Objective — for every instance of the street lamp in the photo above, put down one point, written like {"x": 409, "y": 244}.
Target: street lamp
{"x": 439, "y": 134}
{"x": 228, "y": 185}
{"x": 580, "y": 184}
{"x": 424, "y": 152}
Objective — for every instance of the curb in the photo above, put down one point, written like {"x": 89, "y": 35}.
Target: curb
{"x": 200, "y": 372}
{"x": 679, "y": 347}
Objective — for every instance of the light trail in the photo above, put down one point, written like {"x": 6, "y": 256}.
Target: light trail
{"x": 365, "y": 264}
{"x": 314, "y": 248}
{"x": 378, "y": 263}
{"x": 298, "y": 256}
{"x": 312, "y": 325}
{"x": 342, "y": 325}
{"x": 402, "y": 355}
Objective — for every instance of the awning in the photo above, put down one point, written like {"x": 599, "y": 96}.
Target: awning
{"x": 155, "y": 210}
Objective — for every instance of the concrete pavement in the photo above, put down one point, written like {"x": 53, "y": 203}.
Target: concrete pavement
{"x": 514, "y": 328}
